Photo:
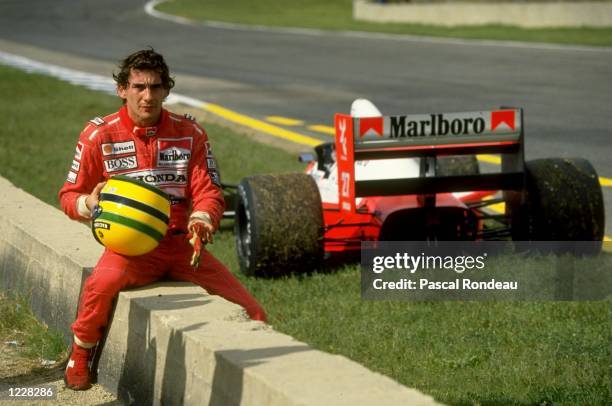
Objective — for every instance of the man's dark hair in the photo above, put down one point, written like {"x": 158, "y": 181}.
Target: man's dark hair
{"x": 147, "y": 59}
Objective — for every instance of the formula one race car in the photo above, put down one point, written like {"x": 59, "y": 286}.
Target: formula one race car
{"x": 413, "y": 177}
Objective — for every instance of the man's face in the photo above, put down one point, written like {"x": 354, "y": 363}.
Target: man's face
{"x": 143, "y": 97}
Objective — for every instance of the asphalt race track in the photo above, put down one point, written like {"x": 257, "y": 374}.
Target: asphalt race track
{"x": 566, "y": 91}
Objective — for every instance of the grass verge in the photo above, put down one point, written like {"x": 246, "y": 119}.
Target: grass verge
{"x": 35, "y": 340}
{"x": 461, "y": 353}
{"x": 337, "y": 15}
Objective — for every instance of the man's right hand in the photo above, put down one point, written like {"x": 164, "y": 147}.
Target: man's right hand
{"x": 92, "y": 200}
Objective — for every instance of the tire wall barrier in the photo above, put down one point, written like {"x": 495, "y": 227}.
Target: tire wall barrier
{"x": 520, "y": 14}
{"x": 171, "y": 343}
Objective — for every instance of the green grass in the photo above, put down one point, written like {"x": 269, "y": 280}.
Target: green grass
{"x": 17, "y": 323}
{"x": 461, "y": 353}
{"x": 337, "y": 15}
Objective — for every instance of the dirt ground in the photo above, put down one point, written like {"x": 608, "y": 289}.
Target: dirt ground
{"x": 17, "y": 371}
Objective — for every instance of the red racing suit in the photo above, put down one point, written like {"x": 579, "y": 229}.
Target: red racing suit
{"x": 176, "y": 157}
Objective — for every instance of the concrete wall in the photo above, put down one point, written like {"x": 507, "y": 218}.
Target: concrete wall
{"x": 171, "y": 343}
{"x": 521, "y": 14}
{"x": 43, "y": 256}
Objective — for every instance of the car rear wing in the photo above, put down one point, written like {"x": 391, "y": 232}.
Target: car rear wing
{"x": 429, "y": 136}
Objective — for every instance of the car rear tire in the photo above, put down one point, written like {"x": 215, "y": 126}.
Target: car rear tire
{"x": 563, "y": 202}
{"x": 278, "y": 225}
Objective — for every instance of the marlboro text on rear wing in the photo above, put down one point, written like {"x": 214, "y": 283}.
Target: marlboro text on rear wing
{"x": 428, "y": 136}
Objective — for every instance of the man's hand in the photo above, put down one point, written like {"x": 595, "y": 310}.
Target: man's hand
{"x": 87, "y": 203}
{"x": 201, "y": 233}
{"x": 92, "y": 200}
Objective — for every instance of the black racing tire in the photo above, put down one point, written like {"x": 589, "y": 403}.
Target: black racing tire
{"x": 457, "y": 165}
{"x": 563, "y": 202}
{"x": 278, "y": 225}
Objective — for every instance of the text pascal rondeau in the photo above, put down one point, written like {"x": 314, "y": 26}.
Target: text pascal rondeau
{"x": 457, "y": 284}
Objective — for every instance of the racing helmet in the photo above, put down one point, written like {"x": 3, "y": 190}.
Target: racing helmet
{"x": 364, "y": 108}
{"x": 131, "y": 217}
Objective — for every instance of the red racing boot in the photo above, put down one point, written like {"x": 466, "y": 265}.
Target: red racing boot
{"x": 77, "y": 376}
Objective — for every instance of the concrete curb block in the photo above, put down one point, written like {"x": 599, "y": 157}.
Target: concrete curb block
{"x": 171, "y": 343}
{"x": 43, "y": 256}
{"x": 528, "y": 15}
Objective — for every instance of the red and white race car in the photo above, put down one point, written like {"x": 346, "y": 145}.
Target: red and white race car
{"x": 412, "y": 177}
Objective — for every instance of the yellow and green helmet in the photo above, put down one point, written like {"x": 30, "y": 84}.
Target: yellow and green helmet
{"x": 132, "y": 216}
